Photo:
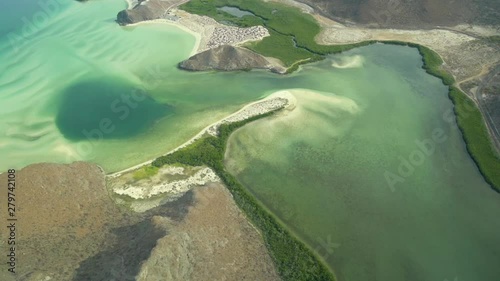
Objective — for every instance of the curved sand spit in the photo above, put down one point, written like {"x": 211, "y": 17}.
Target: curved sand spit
{"x": 280, "y": 99}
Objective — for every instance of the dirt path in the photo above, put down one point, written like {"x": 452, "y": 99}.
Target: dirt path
{"x": 491, "y": 125}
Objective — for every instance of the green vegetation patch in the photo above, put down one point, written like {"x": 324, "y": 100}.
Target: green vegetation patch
{"x": 145, "y": 172}
{"x": 274, "y": 45}
{"x": 293, "y": 259}
{"x": 471, "y": 123}
{"x": 433, "y": 63}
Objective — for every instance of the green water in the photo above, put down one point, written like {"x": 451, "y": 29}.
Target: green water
{"x": 76, "y": 86}
{"x": 372, "y": 171}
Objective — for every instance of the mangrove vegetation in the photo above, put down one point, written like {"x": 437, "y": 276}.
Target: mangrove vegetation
{"x": 293, "y": 259}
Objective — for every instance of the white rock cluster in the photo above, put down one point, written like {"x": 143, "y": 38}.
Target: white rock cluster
{"x": 255, "y": 109}
{"x": 230, "y": 35}
{"x": 202, "y": 177}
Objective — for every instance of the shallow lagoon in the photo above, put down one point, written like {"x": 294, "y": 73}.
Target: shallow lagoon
{"x": 322, "y": 170}
{"x": 372, "y": 171}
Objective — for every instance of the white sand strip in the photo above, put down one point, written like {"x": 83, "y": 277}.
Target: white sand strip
{"x": 280, "y": 99}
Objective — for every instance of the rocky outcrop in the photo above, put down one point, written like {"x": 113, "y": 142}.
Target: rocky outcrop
{"x": 215, "y": 241}
{"x": 145, "y": 10}
{"x": 228, "y": 58}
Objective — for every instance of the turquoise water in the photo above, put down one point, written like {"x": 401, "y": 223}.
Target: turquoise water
{"x": 370, "y": 163}
{"x": 66, "y": 76}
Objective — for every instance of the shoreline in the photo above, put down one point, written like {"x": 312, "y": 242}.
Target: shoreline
{"x": 197, "y": 35}
{"x": 282, "y": 94}
{"x": 208, "y": 32}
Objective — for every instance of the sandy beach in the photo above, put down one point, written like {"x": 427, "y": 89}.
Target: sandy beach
{"x": 208, "y": 32}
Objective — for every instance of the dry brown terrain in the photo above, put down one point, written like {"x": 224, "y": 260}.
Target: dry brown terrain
{"x": 410, "y": 14}
{"x": 214, "y": 242}
{"x": 68, "y": 228}
{"x": 62, "y": 211}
